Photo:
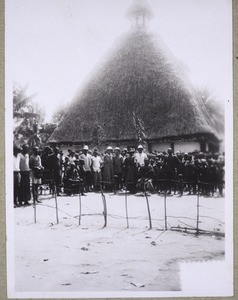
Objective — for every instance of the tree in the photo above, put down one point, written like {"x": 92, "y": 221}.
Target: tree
{"x": 212, "y": 109}
{"x": 58, "y": 114}
{"x": 27, "y": 115}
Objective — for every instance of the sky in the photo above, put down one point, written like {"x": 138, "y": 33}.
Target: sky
{"x": 54, "y": 45}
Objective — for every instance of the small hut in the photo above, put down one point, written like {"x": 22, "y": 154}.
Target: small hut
{"x": 139, "y": 94}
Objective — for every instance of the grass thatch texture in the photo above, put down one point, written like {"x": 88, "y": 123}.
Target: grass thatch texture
{"x": 137, "y": 77}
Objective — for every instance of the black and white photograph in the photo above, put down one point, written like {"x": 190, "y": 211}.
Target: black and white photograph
{"x": 119, "y": 150}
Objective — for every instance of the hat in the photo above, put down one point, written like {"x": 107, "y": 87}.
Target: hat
{"x": 140, "y": 147}
{"x": 109, "y": 148}
{"x": 117, "y": 148}
{"x": 124, "y": 149}
{"x": 85, "y": 147}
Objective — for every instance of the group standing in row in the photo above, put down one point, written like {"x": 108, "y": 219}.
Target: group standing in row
{"x": 128, "y": 169}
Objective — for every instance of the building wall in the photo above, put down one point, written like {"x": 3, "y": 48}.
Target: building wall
{"x": 160, "y": 146}
{"x": 102, "y": 148}
{"x": 186, "y": 146}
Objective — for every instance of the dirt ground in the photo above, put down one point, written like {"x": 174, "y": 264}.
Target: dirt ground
{"x": 66, "y": 257}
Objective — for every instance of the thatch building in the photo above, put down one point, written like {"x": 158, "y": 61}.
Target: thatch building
{"x": 139, "y": 93}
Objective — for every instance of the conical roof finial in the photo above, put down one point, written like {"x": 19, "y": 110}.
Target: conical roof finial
{"x": 139, "y": 13}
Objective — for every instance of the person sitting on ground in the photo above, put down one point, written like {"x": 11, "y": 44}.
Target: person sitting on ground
{"x": 73, "y": 184}
{"x": 146, "y": 176}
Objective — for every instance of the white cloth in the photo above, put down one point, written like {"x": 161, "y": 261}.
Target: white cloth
{"x": 16, "y": 163}
{"x": 24, "y": 162}
{"x": 87, "y": 162}
{"x": 71, "y": 159}
{"x": 140, "y": 158}
{"x": 96, "y": 163}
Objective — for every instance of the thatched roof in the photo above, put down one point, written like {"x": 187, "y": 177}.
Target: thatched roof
{"x": 141, "y": 83}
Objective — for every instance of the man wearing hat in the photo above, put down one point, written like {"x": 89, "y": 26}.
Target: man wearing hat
{"x": 96, "y": 167}
{"x": 140, "y": 156}
{"x": 87, "y": 158}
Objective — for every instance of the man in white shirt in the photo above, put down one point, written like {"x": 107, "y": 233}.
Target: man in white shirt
{"x": 87, "y": 158}
{"x": 96, "y": 166}
{"x": 140, "y": 156}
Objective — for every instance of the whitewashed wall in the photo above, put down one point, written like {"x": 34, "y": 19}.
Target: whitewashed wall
{"x": 186, "y": 146}
{"x": 160, "y": 146}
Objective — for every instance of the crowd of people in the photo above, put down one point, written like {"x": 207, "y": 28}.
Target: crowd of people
{"x": 130, "y": 169}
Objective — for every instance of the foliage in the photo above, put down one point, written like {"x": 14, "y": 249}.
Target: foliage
{"x": 212, "y": 109}
{"x": 27, "y": 114}
{"x": 58, "y": 114}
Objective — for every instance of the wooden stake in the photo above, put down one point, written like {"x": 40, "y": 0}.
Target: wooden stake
{"x": 56, "y": 207}
{"x": 197, "y": 228}
{"x": 80, "y": 208}
{"x": 127, "y": 221}
{"x": 165, "y": 212}
{"x": 34, "y": 206}
{"x": 148, "y": 207}
{"x": 104, "y": 207}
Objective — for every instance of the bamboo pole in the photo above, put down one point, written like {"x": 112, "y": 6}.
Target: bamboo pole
{"x": 165, "y": 211}
{"x": 104, "y": 206}
{"x": 127, "y": 220}
{"x": 80, "y": 208}
{"x": 56, "y": 208}
{"x": 197, "y": 227}
{"x": 148, "y": 207}
{"x": 55, "y": 194}
{"x": 34, "y": 206}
